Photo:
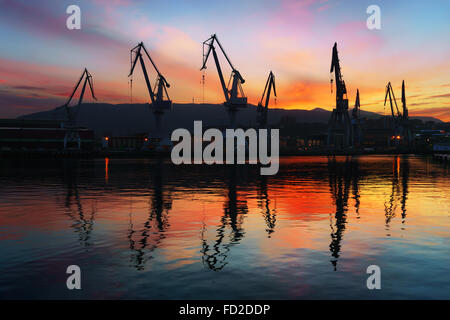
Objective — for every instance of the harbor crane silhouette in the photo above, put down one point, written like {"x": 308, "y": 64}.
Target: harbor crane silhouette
{"x": 339, "y": 125}
{"x": 400, "y": 120}
{"x": 72, "y": 135}
{"x": 263, "y": 107}
{"x": 234, "y": 94}
{"x": 159, "y": 97}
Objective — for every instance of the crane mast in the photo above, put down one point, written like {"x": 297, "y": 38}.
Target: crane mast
{"x": 356, "y": 121}
{"x": 406, "y": 124}
{"x": 263, "y": 108}
{"x": 405, "y": 109}
{"x": 357, "y": 108}
{"x": 234, "y": 96}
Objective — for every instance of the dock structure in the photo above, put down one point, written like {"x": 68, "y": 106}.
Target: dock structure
{"x": 442, "y": 157}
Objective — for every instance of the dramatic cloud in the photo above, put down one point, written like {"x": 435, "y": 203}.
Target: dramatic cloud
{"x": 41, "y": 59}
{"x": 442, "y": 113}
{"x": 446, "y": 95}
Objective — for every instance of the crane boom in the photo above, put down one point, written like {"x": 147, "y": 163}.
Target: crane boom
{"x": 392, "y": 101}
{"x": 219, "y": 71}
{"x": 161, "y": 84}
{"x": 231, "y": 95}
{"x": 138, "y": 56}
{"x": 211, "y": 43}
{"x": 87, "y": 79}
{"x": 339, "y": 125}
{"x": 341, "y": 90}
{"x": 402, "y": 130}
{"x": 270, "y": 83}
{"x": 263, "y": 108}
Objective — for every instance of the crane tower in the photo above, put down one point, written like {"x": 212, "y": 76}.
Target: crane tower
{"x": 339, "y": 125}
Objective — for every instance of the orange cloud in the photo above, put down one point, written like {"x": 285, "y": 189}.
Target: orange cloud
{"x": 305, "y": 94}
{"x": 442, "y": 113}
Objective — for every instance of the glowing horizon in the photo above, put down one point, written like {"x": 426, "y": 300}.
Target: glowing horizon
{"x": 41, "y": 59}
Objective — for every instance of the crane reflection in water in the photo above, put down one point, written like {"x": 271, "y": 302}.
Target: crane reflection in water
{"x": 344, "y": 184}
{"x": 264, "y": 204}
{"x": 343, "y": 176}
{"x": 399, "y": 191}
{"x": 317, "y": 215}
{"x": 235, "y": 209}
{"x": 83, "y": 223}
{"x": 143, "y": 243}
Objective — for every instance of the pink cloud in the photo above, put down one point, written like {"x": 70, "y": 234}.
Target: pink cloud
{"x": 34, "y": 19}
{"x": 359, "y": 39}
{"x": 323, "y": 8}
{"x": 113, "y": 2}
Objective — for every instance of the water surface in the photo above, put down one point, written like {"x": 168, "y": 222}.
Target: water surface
{"x": 149, "y": 229}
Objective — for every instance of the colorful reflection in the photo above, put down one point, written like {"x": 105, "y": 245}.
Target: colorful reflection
{"x": 148, "y": 229}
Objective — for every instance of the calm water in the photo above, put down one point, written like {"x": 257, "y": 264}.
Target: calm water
{"x": 143, "y": 229}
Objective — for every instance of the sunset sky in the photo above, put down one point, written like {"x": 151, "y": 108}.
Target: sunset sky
{"x": 40, "y": 59}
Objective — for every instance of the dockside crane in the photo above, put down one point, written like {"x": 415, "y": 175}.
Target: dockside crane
{"x": 392, "y": 101}
{"x": 71, "y": 116}
{"x": 339, "y": 126}
{"x": 395, "y": 113}
{"x": 263, "y": 108}
{"x": 159, "y": 97}
{"x": 233, "y": 92}
{"x": 72, "y": 135}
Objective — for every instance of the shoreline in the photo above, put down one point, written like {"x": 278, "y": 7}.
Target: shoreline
{"x": 155, "y": 155}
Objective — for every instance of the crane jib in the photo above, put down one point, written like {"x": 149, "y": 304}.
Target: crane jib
{"x": 231, "y": 95}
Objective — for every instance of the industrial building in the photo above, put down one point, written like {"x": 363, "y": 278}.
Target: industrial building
{"x": 126, "y": 143}
{"x": 39, "y": 135}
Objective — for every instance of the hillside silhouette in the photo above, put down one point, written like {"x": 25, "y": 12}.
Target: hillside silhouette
{"x": 129, "y": 119}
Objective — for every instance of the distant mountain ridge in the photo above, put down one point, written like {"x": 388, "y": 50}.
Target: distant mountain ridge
{"x": 129, "y": 119}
